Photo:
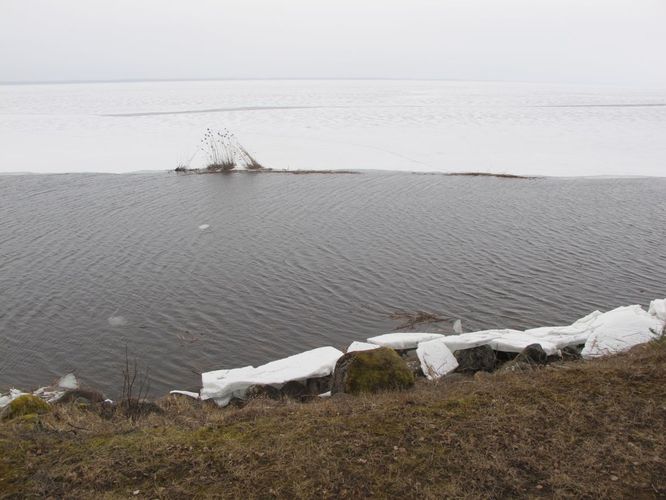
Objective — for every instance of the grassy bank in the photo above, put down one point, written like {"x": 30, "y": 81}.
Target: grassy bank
{"x": 594, "y": 428}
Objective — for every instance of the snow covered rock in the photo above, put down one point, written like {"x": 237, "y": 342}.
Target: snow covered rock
{"x": 403, "y": 340}
{"x": 436, "y": 358}
{"x": 621, "y": 329}
{"x": 222, "y": 385}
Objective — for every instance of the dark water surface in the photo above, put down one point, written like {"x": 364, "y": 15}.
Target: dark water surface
{"x": 89, "y": 263}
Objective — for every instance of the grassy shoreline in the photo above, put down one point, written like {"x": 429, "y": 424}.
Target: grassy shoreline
{"x": 588, "y": 428}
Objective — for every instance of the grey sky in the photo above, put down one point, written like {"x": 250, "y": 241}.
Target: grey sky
{"x": 595, "y": 41}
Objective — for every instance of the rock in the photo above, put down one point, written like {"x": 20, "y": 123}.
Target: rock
{"x": 318, "y": 385}
{"x": 263, "y": 391}
{"x": 481, "y": 358}
{"x": 24, "y": 405}
{"x": 371, "y": 371}
{"x": 571, "y": 353}
{"x": 533, "y": 354}
{"x": 82, "y": 396}
{"x": 294, "y": 390}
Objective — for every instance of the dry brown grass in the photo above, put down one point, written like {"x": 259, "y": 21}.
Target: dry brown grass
{"x": 580, "y": 429}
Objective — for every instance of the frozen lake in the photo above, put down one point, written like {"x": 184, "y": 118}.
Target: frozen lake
{"x": 390, "y": 125}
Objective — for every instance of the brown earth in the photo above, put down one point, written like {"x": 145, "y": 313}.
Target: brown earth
{"x": 594, "y": 429}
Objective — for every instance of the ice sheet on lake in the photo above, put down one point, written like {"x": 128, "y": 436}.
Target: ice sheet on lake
{"x": 222, "y": 385}
{"x": 436, "y": 358}
{"x": 619, "y": 330}
{"x": 403, "y": 340}
{"x": 361, "y": 346}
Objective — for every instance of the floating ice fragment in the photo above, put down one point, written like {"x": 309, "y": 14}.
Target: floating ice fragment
{"x": 117, "y": 321}
{"x": 68, "y": 381}
{"x": 457, "y": 327}
{"x": 203, "y": 227}
{"x": 436, "y": 358}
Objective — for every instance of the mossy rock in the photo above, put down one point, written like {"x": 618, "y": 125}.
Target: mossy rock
{"x": 371, "y": 371}
{"x": 25, "y": 405}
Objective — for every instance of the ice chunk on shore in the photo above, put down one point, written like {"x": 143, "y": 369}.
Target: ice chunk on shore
{"x": 191, "y": 394}
{"x": 658, "y": 309}
{"x": 505, "y": 340}
{"x": 222, "y": 385}
{"x": 473, "y": 339}
{"x": 619, "y": 330}
{"x": 562, "y": 336}
{"x": 517, "y": 341}
{"x": 436, "y": 358}
{"x": 361, "y": 346}
{"x": 403, "y": 340}
{"x": 5, "y": 399}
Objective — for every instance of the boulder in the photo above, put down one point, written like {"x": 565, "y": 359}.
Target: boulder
{"x": 24, "y": 405}
{"x": 371, "y": 371}
{"x": 294, "y": 390}
{"x": 318, "y": 385}
{"x": 481, "y": 358}
{"x": 532, "y": 354}
{"x": 571, "y": 353}
{"x": 262, "y": 391}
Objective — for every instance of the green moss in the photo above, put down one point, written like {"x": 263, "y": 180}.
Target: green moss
{"x": 25, "y": 405}
{"x": 377, "y": 370}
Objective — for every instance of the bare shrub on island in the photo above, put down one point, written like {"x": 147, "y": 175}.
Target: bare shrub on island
{"x": 224, "y": 153}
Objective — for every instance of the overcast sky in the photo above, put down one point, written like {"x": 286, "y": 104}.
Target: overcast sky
{"x": 587, "y": 41}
